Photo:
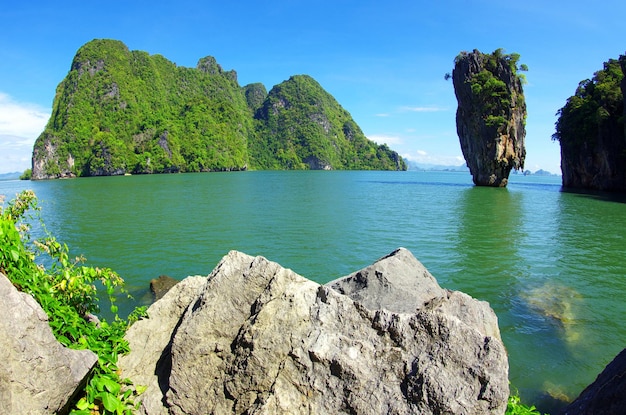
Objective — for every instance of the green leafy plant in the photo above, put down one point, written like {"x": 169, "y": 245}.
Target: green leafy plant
{"x": 516, "y": 407}
{"x": 67, "y": 292}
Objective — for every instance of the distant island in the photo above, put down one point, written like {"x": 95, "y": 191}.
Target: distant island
{"x": 415, "y": 166}
{"x": 127, "y": 112}
{"x": 10, "y": 176}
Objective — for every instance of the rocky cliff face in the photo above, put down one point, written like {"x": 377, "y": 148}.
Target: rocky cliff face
{"x": 257, "y": 338}
{"x": 491, "y": 114}
{"x": 592, "y": 132}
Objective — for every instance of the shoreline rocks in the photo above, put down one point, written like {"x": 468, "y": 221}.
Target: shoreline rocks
{"x": 254, "y": 337}
{"x": 38, "y": 375}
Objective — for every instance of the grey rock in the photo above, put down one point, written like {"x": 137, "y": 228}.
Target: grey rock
{"x": 38, "y": 375}
{"x": 606, "y": 395}
{"x": 397, "y": 282}
{"x": 149, "y": 339}
{"x": 400, "y": 283}
{"x": 260, "y": 339}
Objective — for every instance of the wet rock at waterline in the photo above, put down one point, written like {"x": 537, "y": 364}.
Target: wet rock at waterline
{"x": 161, "y": 285}
{"x": 38, "y": 375}
{"x": 255, "y": 337}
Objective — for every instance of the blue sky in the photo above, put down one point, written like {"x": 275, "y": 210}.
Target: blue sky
{"x": 383, "y": 61}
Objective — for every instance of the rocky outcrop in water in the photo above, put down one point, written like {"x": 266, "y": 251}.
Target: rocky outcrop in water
{"x": 38, "y": 375}
{"x": 592, "y": 132}
{"x": 606, "y": 395}
{"x": 491, "y": 115}
{"x": 256, "y": 338}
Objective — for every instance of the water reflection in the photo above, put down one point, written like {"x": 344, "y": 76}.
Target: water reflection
{"x": 486, "y": 242}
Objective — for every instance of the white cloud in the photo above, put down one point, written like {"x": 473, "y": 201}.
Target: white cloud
{"x": 386, "y": 139}
{"x": 423, "y": 109}
{"x": 423, "y": 157}
{"x": 382, "y": 114}
{"x": 20, "y": 125}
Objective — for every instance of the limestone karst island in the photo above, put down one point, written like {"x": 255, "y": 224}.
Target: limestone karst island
{"x": 119, "y": 111}
{"x": 491, "y": 116}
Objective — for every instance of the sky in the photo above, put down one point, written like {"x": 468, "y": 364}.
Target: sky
{"x": 384, "y": 62}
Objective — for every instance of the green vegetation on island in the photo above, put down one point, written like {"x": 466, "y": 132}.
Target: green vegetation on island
{"x": 301, "y": 126}
{"x": 120, "y": 111}
{"x": 598, "y": 104}
{"x": 592, "y": 132}
{"x": 488, "y": 87}
{"x": 491, "y": 114}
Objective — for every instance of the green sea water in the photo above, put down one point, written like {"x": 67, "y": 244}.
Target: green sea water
{"x": 550, "y": 263}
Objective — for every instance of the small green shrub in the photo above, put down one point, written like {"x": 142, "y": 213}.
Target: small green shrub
{"x": 67, "y": 292}
{"x": 515, "y": 407}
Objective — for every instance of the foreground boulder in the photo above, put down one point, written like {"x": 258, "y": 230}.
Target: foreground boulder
{"x": 38, "y": 375}
{"x": 606, "y": 395}
{"x": 258, "y": 338}
{"x": 149, "y": 362}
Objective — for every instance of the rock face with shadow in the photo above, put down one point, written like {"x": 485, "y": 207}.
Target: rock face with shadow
{"x": 491, "y": 115}
{"x": 606, "y": 395}
{"x": 38, "y": 375}
{"x": 256, "y": 338}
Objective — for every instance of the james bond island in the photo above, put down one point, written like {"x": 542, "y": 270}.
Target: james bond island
{"x": 491, "y": 114}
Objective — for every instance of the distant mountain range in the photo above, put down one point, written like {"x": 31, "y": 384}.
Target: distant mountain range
{"x": 412, "y": 165}
{"x": 10, "y": 176}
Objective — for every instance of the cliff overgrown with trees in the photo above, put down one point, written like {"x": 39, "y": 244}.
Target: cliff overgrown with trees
{"x": 592, "y": 132}
{"x": 491, "y": 114}
{"x": 120, "y": 111}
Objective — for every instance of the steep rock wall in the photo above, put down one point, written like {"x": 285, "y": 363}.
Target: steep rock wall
{"x": 491, "y": 115}
{"x": 592, "y": 132}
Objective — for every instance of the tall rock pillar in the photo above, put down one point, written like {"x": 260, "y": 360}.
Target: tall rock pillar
{"x": 491, "y": 115}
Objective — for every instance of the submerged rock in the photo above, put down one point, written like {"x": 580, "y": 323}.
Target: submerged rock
{"x": 259, "y": 338}
{"x": 491, "y": 115}
{"x": 161, "y": 285}
{"x": 38, "y": 375}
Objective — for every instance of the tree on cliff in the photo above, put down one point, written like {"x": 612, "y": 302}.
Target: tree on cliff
{"x": 491, "y": 114}
{"x": 590, "y": 129}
